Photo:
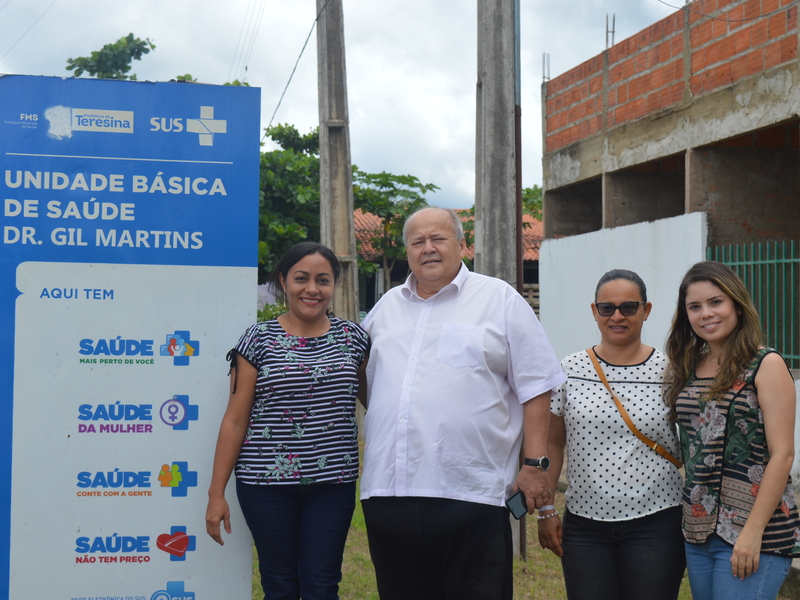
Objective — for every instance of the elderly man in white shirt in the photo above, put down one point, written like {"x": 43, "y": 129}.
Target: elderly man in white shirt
{"x": 459, "y": 368}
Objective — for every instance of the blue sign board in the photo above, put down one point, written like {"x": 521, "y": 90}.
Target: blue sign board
{"x": 124, "y": 179}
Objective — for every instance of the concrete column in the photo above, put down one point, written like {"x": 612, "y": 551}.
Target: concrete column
{"x": 495, "y": 172}
{"x": 336, "y": 184}
{"x": 694, "y": 196}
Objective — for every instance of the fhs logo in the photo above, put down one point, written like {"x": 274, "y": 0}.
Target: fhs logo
{"x": 177, "y": 543}
{"x": 177, "y": 412}
{"x": 175, "y": 591}
{"x": 178, "y": 478}
{"x": 180, "y": 347}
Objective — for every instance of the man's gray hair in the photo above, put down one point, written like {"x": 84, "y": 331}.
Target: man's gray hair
{"x": 458, "y": 228}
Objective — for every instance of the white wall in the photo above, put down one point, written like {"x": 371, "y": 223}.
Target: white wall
{"x": 660, "y": 252}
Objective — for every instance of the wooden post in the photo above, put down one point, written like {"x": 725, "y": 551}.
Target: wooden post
{"x": 336, "y": 180}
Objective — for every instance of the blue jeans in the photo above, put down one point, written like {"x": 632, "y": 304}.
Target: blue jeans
{"x": 299, "y": 532}
{"x": 711, "y": 577}
{"x": 624, "y": 560}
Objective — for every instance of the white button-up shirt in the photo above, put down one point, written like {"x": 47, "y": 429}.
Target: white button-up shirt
{"x": 447, "y": 378}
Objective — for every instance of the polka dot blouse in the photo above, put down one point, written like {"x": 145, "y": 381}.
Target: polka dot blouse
{"x": 612, "y": 475}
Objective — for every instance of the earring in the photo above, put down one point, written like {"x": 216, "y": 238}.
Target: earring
{"x": 283, "y": 301}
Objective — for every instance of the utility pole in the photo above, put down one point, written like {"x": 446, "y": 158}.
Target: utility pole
{"x": 335, "y": 174}
{"x": 496, "y": 229}
{"x": 498, "y": 178}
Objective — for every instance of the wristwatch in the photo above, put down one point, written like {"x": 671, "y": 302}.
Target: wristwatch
{"x": 543, "y": 463}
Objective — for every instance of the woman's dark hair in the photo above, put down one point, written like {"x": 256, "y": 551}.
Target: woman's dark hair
{"x": 293, "y": 256}
{"x": 684, "y": 348}
{"x": 615, "y": 274}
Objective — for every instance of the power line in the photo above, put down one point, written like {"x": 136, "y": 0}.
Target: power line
{"x": 27, "y": 30}
{"x": 239, "y": 41}
{"x": 324, "y": 6}
{"x": 686, "y": 8}
{"x": 253, "y": 38}
{"x": 247, "y": 38}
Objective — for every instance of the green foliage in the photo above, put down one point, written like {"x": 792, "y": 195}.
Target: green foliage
{"x": 392, "y": 198}
{"x": 186, "y": 78}
{"x": 112, "y": 61}
{"x": 288, "y": 138}
{"x": 532, "y": 201}
{"x": 289, "y": 195}
{"x": 237, "y": 83}
{"x": 269, "y": 312}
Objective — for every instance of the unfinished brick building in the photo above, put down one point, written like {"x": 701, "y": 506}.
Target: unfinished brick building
{"x": 698, "y": 112}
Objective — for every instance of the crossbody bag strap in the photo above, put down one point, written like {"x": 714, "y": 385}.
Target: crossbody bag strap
{"x": 625, "y": 417}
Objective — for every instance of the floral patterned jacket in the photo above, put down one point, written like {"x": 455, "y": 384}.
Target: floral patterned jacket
{"x": 725, "y": 453}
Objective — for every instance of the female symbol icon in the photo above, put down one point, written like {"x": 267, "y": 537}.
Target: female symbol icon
{"x": 173, "y": 412}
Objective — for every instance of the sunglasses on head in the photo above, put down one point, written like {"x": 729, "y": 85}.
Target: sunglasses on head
{"x": 626, "y": 309}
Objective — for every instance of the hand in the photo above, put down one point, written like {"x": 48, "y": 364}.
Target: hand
{"x": 551, "y": 534}
{"x": 535, "y": 484}
{"x": 746, "y": 554}
{"x": 217, "y": 511}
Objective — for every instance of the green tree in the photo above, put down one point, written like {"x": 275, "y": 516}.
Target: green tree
{"x": 112, "y": 61}
{"x": 392, "y": 198}
{"x": 289, "y": 203}
{"x": 289, "y": 195}
{"x": 532, "y": 201}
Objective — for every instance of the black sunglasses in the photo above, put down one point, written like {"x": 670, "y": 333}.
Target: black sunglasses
{"x": 627, "y": 309}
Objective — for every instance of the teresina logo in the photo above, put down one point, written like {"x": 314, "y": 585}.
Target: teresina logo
{"x": 64, "y": 120}
{"x": 116, "y": 121}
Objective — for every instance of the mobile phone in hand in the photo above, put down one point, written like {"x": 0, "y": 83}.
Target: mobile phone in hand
{"x": 517, "y": 505}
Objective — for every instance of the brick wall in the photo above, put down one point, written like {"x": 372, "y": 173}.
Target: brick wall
{"x": 651, "y": 70}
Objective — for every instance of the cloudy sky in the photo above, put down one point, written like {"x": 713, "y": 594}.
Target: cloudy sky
{"x": 411, "y": 64}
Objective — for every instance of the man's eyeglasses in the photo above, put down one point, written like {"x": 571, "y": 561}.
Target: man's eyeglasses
{"x": 626, "y": 309}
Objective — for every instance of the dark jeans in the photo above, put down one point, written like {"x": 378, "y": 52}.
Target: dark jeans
{"x": 624, "y": 560}
{"x": 439, "y": 549}
{"x": 299, "y": 532}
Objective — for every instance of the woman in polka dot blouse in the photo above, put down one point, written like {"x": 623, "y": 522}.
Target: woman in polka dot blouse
{"x": 621, "y": 533}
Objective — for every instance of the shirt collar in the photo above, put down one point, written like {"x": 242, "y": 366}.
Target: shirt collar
{"x": 409, "y": 288}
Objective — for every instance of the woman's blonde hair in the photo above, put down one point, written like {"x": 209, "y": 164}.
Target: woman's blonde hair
{"x": 685, "y": 348}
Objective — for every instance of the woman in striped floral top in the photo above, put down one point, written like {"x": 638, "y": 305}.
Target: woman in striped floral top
{"x": 734, "y": 402}
{"x": 290, "y": 432}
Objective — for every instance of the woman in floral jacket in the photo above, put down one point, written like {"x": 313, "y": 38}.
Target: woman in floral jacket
{"x": 734, "y": 402}
{"x": 290, "y": 432}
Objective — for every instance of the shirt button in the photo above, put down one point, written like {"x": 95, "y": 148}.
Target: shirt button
{"x": 402, "y": 420}
{"x": 400, "y": 455}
